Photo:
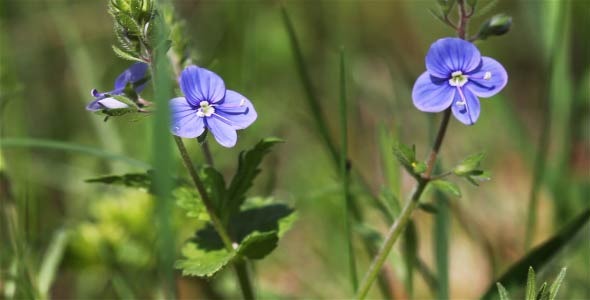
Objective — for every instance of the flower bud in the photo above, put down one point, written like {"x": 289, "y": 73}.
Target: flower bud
{"x": 496, "y": 25}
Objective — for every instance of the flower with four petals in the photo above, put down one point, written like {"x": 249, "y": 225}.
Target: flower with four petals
{"x": 208, "y": 105}
{"x": 456, "y": 75}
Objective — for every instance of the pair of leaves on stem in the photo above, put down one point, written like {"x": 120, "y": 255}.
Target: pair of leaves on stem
{"x": 255, "y": 226}
{"x": 468, "y": 168}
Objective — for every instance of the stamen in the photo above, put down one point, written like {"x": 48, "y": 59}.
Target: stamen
{"x": 458, "y": 79}
{"x": 206, "y": 109}
{"x": 487, "y": 76}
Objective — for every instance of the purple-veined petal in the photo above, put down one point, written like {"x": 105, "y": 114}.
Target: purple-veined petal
{"x": 185, "y": 122}
{"x": 237, "y": 109}
{"x": 488, "y": 79}
{"x": 200, "y": 84}
{"x": 431, "y": 94}
{"x": 466, "y": 106}
{"x": 449, "y": 55}
{"x": 223, "y": 132}
{"x": 94, "y": 105}
{"x": 135, "y": 73}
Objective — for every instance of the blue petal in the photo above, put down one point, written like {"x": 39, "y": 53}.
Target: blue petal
{"x": 200, "y": 84}
{"x": 223, "y": 132}
{"x": 94, "y": 105}
{"x": 487, "y": 88}
{"x": 237, "y": 109}
{"x": 468, "y": 112}
{"x": 133, "y": 74}
{"x": 185, "y": 122}
{"x": 431, "y": 94}
{"x": 449, "y": 55}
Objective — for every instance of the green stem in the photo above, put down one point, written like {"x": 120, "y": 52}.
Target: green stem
{"x": 345, "y": 173}
{"x": 400, "y": 224}
{"x": 244, "y": 279}
{"x": 217, "y": 224}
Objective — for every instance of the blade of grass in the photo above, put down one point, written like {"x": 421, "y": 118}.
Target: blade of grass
{"x": 64, "y": 146}
{"x": 50, "y": 264}
{"x": 546, "y": 120}
{"x": 539, "y": 256}
{"x": 163, "y": 161}
{"x": 345, "y": 172}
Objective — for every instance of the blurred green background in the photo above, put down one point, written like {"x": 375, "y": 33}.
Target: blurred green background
{"x": 53, "y": 52}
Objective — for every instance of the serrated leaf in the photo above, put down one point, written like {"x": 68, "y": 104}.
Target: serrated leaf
{"x": 248, "y": 168}
{"x": 541, "y": 254}
{"x": 257, "y": 245}
{"x": 203, "y": 257}
{"x": 469, "y": 164}
{"x": 556, "y": 284}
{"x": 189, "y": 200}
{"x": 131, "y": 26}
{"x": 215, "y": 186}
{"x": 126, "y": 55}
{"x": 447, "y": 187}
{"x": 530, "y": 285}
{"x": 502, "y": 292}
{"x": 274, "y": 217}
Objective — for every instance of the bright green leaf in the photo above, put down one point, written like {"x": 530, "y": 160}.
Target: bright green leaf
{"x": 530, "y": 285}
{"x": 447, "y": 187}
{"x": 469, "y": 164}
{"x": 126, "y": 54}
{"x": 556, "y": 284}
{"x": 405, "y": 155}
{"x": 502, "y": 292}
{"x": 542, "y": 294}
{"x": 203, "y": 257}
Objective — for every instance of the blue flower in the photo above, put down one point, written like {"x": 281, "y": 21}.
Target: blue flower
{"x": 136, "y": 74}
{"x": 456, "y": 76}
{"x": 207, "y": 104}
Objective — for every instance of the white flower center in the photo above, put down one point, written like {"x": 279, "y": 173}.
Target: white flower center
{"x": 206, "y": 109}
{"x": 458, "y": 79}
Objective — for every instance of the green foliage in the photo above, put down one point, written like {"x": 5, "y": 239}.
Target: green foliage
{"x": 530, "y": 285}
{"x": 256, "y": 231}
{"x": 407, "y": 158}
{"x": 530, "y": 294}
{"x": 540, "y": 255}
{"x": 248, "y": 168}
{"x": 469, "y": 168}
{"x": 51, "y": 261}
{"x": 502, "y": 292}
{"x": 132, "y": 180}
{"x": 497, "y": 25}
{"x": 447, "y": 187}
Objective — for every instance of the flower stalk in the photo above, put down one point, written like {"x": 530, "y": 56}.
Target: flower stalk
{"x": 422, "y": 181}
{"x": 406, "y": 214}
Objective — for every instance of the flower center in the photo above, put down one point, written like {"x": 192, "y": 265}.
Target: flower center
{"x": 458, "y": 79}
{"x": 205, "y": 110}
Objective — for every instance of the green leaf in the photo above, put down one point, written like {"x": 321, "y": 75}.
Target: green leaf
{"x": 126, "y": 54}
{"x": 556, "y": 284}
{"x": 540, "y": 255}
{"x": 248, "y": 168}
{"x": 405, "y": 155}
{"x": 530, "y": 285}
{"x": 469, "y": 164}
{"x": 257, "y": 245}
{"x": 428, "y": 207}
{"x": 215, "y": 186}
{"x": 203, "y": 256}
{"x": 447, "y": 187}
{"x": 542, "y": 294}
{"x": 497, "y": 25}
{"x": 274, "y": 217}
{"x": 419, "y": 167}
{"x": 132, "y": 180}
{"x": 189, "y": 200}
{"x": 502, "y": 292}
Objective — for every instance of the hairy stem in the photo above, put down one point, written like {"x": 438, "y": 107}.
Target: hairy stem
{"x": 217, "y": 224}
